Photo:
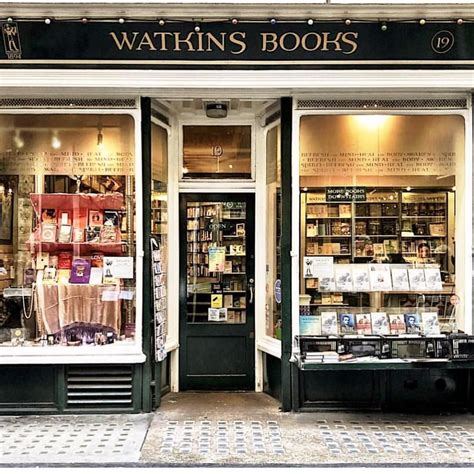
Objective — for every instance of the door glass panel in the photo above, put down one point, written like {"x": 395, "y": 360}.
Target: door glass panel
{"x": 216, "y": 262}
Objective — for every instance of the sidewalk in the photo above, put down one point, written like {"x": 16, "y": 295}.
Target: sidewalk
{"x": 236, "y": 429}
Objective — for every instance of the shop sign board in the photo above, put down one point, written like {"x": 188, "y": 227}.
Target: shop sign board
{"x": 148, "y": 44}
{"x": 346, "y": 194}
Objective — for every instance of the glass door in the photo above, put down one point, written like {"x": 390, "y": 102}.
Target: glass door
{"x": 217, "y": 292}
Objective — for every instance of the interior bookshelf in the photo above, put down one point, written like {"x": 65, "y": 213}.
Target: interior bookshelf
{"x": 216, "y": 225}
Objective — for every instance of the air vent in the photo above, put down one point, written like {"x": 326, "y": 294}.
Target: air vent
{"x": 53, "y": 103}
{"x": 381, "y": 104}
{"x": 99, "y": 387}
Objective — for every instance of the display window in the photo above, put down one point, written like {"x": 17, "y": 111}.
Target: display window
{"x": 381, "y": 206}
{"x": 68, "y": 239}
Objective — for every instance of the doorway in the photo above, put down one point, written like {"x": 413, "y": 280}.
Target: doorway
{"x": 217, "y": 317}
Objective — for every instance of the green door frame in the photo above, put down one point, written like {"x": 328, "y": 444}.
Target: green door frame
{"x": 286, "y": 105}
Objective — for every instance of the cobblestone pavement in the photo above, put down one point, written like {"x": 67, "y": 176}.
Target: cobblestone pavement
{"x": 236, "y": 429}
{"x": 248, "y": 428}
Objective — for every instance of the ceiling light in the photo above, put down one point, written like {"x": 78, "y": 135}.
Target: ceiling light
{"x": 347, "y": 22}
{"x": 17, "y": 140}
{"x": 310, "y": 21}
{"x": 55, "y": 141}
{"x": 216, "y": 110}
{"x": 384, "y": 26}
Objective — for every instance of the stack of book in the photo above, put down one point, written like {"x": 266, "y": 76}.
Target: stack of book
{"x": 327, "y": 357}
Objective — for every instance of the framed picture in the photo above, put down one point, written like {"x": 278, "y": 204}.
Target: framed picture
{"x": 96, "y": 218}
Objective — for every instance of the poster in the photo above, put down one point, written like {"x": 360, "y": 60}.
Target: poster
{"x": 216, "y": 300}
{"x": 216, "y": 259}
{"x": 310, "y": 325}
{"x": 118, "y": 267}
{"x": 159, "y": 300}
{"x": 321, "y": 268}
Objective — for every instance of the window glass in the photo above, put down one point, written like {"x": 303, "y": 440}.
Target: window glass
{"x": 67, "y": 191}
{"x": 378, "y": 223}
{"x": 215, "y": 151}
{"x": 273, "y": 222}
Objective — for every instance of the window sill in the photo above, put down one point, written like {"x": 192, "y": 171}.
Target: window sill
{"x": 270, "y": 346}
{"x": 109, "y": 354}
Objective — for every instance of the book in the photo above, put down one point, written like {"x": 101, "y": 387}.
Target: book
{"x": 416, "y": 277}
{"x": 77, "y": 235}
{"x": 97, "y": 260}
{"x": 400, "y": 279}
{"x": 310, "y": 325}
{"x": 346, "y": 323}
{"x": 363, "y": 323}
{"x": 430, "y": 323}
{"x": 343, "y": 277}
{"x": 109, "y": 234}
{"x": 360, "y": 278}
{"x": 380, "y": 324}
{"x": 65, "y": 217}
{"x": 328, "y": 323}
{"x": 48, "y": 232}
{"x": 433, "y": 279}
{"x": 95, "y": 276}
{"x": 397, "y": 324}
{"x": 64, "y": 261}
{"x": 63, "y": 276}
{"x": 80, "y": 271}
{"x": 64, "y": 234}
{"x": 228, "y": 266}
{"x": 93, "y": 234}
{"x": 79, "y": 218}
{"x": 379, "y": 249}
{"x": 49, "y": 216}
{"x": 412, "y": 323}
{"x": 380, "y": 278}
{"x": 49, "y": 275}
{"x": 240, "y": 229}
{"x": 437, "y": 230}
{"x": 390, "y": 246}
{"x": 345, "y": 210}
{"x": 111, "y": 218}
{"x": 96, "y": 218}
{"x": 311, "y": 230}
{"x": 42, "y": 260}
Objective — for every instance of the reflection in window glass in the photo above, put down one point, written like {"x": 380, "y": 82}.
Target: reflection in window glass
{"x": 216, "y": 151}
{"x": 378, "y": 221}
{"x": 67, "y": 192}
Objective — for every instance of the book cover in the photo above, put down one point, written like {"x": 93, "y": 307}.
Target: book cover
{"x": 97, "y": 260}
{"x": 416, "y": 277}
{"x": 380, "y": 278}
{"x": 379, "y": 249}
{"x": 433, "y": 279}
{"x": 310, "y": 325}
{"x": 64, "y": 217}
{"x": 49, "y": 216}
{"x": 343, "y": 277}
{"x": 93, "y": 234}
{"x": 109, "y": 234}
{"x": 390, "y": 246}
{"x": 64, "y": 234}
{"x": 48, "y": 232}
{"x": 64, "y": 260}
{"x": 328, "y": 323}
{"x": 400, "y": 279}
{"x": 80, "y": 271}
{"x": 430, "y": 323}
{"x": 311, "y": 230}
{"x": 380, "y": 324}
{"x": 228, "y": 266}
{"x": 96, "y": 276}
{"x": 96, "y": 218}
{"x": 228, "y": 302}
{"x": 79, "y": 218}
{"x": 346, "y": 323}
{"x": 412, "y": 323}
{"x": 363, "y": 323}
{"x": 345, "y": 210}
{"x": 111, "y": 218}
{"x": 397, "y": 324}
{"x": 42, "y": 260}
{"x": 77, "y": 235}
{"x": 360, "y": 277}
{"x": 63, "y": 276}
{"x": 49, "y": 275}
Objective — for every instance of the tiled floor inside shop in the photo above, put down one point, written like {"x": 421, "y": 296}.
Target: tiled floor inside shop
{"x": 236, "y": 429}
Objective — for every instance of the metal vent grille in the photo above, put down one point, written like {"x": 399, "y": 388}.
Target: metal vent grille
{"x": 54, "y": 103}
{"x": 377, "y": 104}
{"x": 99, "y": 387}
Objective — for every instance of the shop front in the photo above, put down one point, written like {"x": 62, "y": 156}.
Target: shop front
{"x": 275, "y": 225}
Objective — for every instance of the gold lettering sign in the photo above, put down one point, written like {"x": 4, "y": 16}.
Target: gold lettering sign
{"x": 380, "y": 145}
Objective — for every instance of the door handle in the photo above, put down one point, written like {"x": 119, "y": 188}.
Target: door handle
{"x": 251, "y": 288}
